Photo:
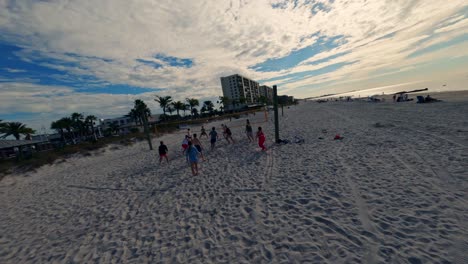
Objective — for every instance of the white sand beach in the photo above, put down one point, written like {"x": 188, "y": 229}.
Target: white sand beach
{"x": 394, "y": 190}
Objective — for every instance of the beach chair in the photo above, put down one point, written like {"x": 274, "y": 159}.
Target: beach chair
{"x": 420, "y": 99}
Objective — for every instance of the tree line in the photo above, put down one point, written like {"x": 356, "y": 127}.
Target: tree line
{"x": 168, "y": 105}
{"x": 77, "y": 126}
{"x": 74, "y": 127}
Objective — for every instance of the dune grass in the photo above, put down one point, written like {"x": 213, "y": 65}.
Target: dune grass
{"x": 39, "y": 159}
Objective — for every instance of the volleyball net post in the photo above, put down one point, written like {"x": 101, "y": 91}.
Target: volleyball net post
{"x": 275, "y": 108}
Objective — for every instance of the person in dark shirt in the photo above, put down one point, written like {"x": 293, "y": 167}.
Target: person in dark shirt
{"x": 249, "y": 131}
{"x": 163, "y": 152}
{"x": 214, "y": 137}
{"x": 227, "y": 134}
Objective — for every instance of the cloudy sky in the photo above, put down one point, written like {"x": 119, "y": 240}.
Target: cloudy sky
{"x": 96, "y": 57}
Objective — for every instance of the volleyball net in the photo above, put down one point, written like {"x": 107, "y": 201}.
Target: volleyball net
{"x": 232, "y": 120}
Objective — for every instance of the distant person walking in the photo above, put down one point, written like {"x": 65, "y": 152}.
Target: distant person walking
{"x": 163, "y": 152}
{"x": 213, "y": 137}
{"x": 192, "y": 158}
{"x": 198, "y": 145}
{"x": 249, "y": 131}
{"x": 203, "y": 132}
{"x": 261, "y": 138}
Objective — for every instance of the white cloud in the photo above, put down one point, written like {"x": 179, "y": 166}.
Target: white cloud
{"x": 222, "y": 37}
{"x": 459, "y": 25}
{"x": 49, "y": 103}
{"x": 11, "y": 70}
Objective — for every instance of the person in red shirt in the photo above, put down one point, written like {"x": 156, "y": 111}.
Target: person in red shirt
{"x": 261, "y": 138}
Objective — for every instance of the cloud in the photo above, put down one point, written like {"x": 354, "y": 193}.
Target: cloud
{"x": 14, "y": 70}
{"x": 44, "y": 103}
{"x": 47, "y": 103}
{"x": 182, "y": 48}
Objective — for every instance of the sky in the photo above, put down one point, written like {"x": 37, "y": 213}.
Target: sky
{"x": 97, "y": 57}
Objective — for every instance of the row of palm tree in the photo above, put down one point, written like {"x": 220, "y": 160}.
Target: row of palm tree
{"x": 76, "y": 126}
{"x": 168, "y": 105}
{"x": 15, "y": 129}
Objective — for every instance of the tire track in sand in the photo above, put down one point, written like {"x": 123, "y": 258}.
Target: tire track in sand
{"x": 441, "y": 176}
{"x": 364, "y": 217}
{"x": 444, "y": 182}
{"x": 371, "y": 244}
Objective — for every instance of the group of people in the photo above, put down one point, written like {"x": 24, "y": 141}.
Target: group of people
{"x": 192, "y": 147}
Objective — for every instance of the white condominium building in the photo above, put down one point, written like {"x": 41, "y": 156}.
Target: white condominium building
{"x": 267, "y": 92}
{"x": 236, "y": 87}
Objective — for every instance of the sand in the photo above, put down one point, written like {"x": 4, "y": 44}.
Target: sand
{"x": 394, "y": 190}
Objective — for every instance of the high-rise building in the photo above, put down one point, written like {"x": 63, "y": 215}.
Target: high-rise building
{"x": 267, "y": 92}
{"x": 239, "y": 88}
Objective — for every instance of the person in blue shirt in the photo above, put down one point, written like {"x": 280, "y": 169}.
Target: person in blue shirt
{"x": 214, "y": 137}
{"x": 192, "y": 158}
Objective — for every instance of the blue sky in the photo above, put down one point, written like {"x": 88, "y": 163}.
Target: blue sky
{"x": 297, "y": 56}
{"x": 60, "y": 57}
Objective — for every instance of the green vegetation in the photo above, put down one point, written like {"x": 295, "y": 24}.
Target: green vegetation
{"x": 192, "y": 102}
{"x": 224, "y": 101}
{"x": 15, "y": 129}
{"x": 178, "y": 106}
{"x": 78, "y": 136}
{"x": 74, "y": 127}
{"x": 164, "y": 102}
{"x": 61, "y": 154}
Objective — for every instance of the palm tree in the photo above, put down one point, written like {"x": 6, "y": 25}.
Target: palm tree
{"x": 170, "y": 109}
{"x": 113, "y": 128}
{"x": 89, "y": 121}
{"x": 203, "y": 109}
{"x": 194, "y": 112}
{"x": 61, "y": 124}
{"x": 133, "y": 114}
{"x": 78, "y": 123}
{"x": 186, "y": 107}
{"x": 178, "y": 106}
{"x": 164, "y": 102}
{"x": 140, "y": 112}
{"x": 15, "y": 129}
{"x": 224, "y": 100}
{"x": 142, "y": 109}
{"x": 59, "y": 127}
{"x": 192, "y": 103}
{"x": 209, "y": 106}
